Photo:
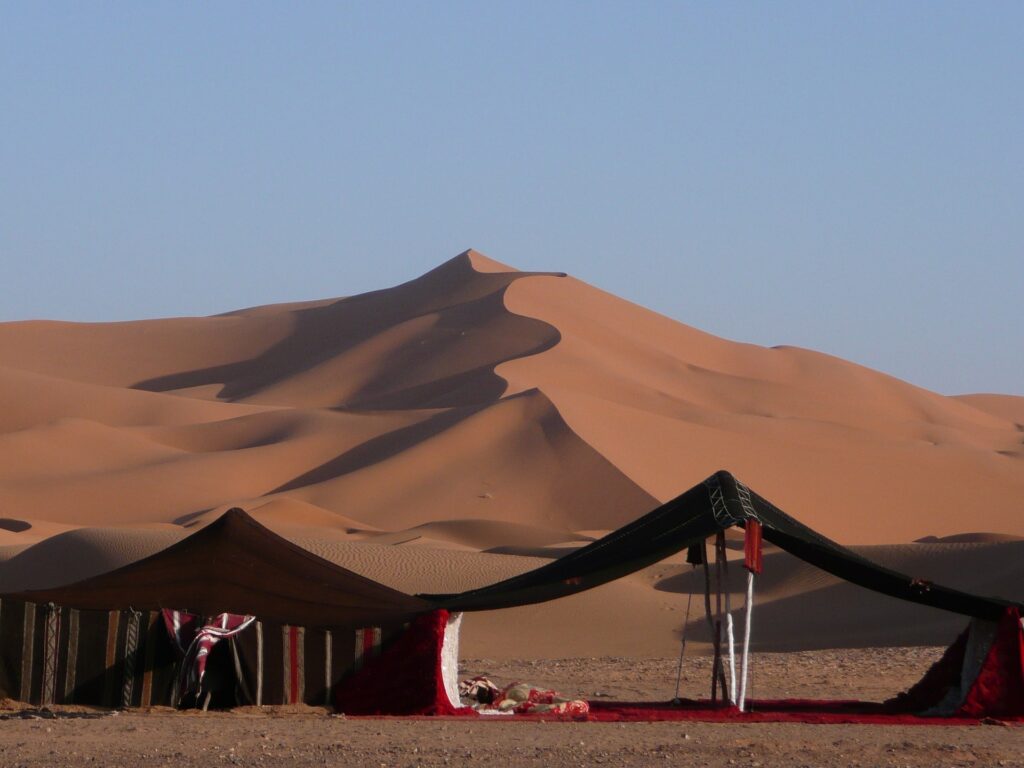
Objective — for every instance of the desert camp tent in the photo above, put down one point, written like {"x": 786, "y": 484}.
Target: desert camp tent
{"x": 104, "y": 641}
{"x": 320, "y": 632}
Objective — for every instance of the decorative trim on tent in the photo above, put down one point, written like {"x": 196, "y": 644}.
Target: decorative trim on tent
{"x": 51, "y": 644}
{"x": 719, "y": 509}
{"x": 746, "y": 502}
{"x": 72, "y": 657}
{"x": 294, "y": 657}
{"x": 27, "y": 643}
{"x": 131, "y": 648}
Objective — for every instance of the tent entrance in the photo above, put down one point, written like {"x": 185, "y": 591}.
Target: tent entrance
{"x": 222, "y": 686}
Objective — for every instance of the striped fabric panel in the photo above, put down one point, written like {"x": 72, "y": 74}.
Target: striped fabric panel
{"x": 293, "y": 658}
{"x": 27, "y": 645}
{"x": 243, "y": 684}
{"x": 367, "y": 646}
{"x": 110, "y": 665}
{"x": 299, "y": 654}
{"x": 259, "y": 664}
{"x": 131, "y": 650}
{"x": 328, "y": 667}
{"x": 51, "y": 644}
{"x": 71, "y": 664}
{"x": 286, "y": 661}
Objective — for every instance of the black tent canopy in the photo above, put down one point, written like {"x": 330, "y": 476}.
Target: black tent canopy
{"x": 720, "y": 502}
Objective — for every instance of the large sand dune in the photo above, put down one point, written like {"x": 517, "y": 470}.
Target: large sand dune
{"x": 409, "y": 431}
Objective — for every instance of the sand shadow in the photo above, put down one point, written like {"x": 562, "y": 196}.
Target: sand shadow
{"x": 458, "y": 295}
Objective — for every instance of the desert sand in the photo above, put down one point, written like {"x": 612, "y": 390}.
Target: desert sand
{"x": 477, "y": 421}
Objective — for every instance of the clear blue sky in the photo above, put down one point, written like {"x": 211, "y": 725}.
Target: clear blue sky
{"x": 842, "y": 176}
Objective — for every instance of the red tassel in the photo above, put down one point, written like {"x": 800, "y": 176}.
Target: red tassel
{"x": 752, "y": 546}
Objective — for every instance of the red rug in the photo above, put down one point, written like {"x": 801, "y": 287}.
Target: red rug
{"x": 761, "y": 711}
{"x": 774, "y": 711}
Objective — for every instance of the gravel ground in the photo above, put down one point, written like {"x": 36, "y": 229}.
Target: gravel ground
{"x": 308, "y": 737}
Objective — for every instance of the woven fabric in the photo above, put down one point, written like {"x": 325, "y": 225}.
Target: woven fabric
{"x": 405, "y": 679}
{"x": 196, "y": 639}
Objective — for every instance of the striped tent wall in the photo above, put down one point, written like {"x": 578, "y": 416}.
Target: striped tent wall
{"x": 58, "y": 655}
{"x": 287, "y": 664}
{"x": 53, "y": 655}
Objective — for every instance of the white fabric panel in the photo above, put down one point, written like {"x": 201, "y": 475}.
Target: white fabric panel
{"x": 450, "y": 658}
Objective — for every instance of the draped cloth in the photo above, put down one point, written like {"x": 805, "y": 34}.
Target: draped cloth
{"x": 194, "y": 641}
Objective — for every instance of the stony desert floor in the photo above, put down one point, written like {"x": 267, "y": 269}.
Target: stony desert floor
{"x": 308, "y": 737}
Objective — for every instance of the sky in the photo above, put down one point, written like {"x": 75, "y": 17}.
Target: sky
{"x": 847, "y": 177}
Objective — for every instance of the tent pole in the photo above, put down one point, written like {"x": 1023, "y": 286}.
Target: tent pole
{"x": 682, "y": 642}
{"x": 729, "y": 633}
{"x": 711, "y": 625}
{"x": 746, "y": 640}
{"x": 720, "y": 662}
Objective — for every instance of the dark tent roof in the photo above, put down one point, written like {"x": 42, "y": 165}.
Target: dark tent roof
{"x": 235, "y": 564}
{"x": 718, "y": 503}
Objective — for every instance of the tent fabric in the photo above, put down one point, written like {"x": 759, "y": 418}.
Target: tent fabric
{"x": 753, "y": 551}
{"x": 281, "y": 664}
{"x": 718, "y": 503}
{"x": 121, "y": 659}
{"x": 194, "y": 640}
{"x": 408, "y": 678}
{"x": 317, "y": 623}
{"x": 687, "y": 519}
{"x": 980, "y": 675}
{"x": 998, "y": 689}
{"x": 235, "y": 564}
{"x": 811, "y": 547}
{"x": 59, "y": 655}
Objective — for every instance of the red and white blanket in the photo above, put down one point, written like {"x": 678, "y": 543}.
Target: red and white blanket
{"x": 195, "y": 640}
{"x": 518, "y": 698}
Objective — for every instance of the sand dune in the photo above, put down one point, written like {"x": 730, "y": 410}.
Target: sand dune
{"x": 42, "y": 399}
{"x": 476, "y": 420}
{"x": 1009, "y": 407}
{"x": 513, "y": 460}
{"x": 83, "y": 552}
{"x": 858, "y": 454}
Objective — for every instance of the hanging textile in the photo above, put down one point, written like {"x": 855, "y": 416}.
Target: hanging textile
{"x": 753, "y": 561}
{"x": 195, "y": 641}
